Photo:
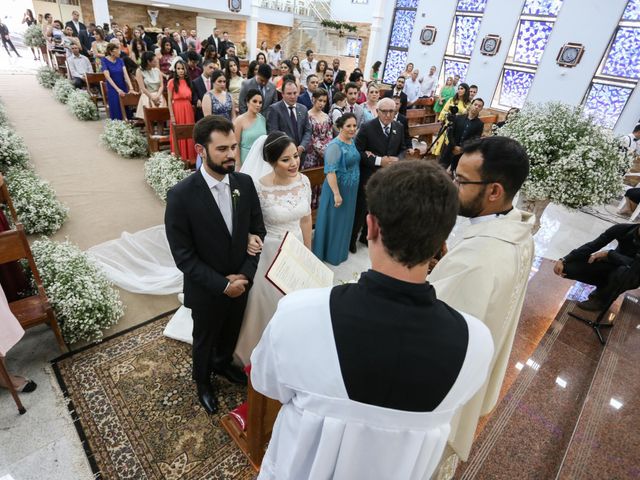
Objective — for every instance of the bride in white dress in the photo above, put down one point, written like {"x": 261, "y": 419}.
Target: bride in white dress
{"x": 285, "y": 198}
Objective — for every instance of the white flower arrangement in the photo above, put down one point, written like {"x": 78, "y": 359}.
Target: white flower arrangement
{"x": 84, "y": 300}
{"x": 62, "y": 89}
{"x": 81, "y": 106}
{"x": 124, "y": 139}
{"x": 47, "y": 76}
{"x": 162, "y": 171}
{"x": 33, "y": 37}
{"x": 13, "y": 150}
{"x": 35, "y": 202}
{"x": 4, "y": 120}
{"x": 574, "y": 161}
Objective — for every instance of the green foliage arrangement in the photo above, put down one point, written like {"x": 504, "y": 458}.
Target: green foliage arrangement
{"x": 339, "y": 25}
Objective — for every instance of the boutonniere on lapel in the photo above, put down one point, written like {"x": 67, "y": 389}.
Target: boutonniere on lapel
{"x": 393, "y": 131}
{"x": 235, "y": 195}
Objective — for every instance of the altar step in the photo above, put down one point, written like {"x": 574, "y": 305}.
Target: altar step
{"x": 569, "y": 406}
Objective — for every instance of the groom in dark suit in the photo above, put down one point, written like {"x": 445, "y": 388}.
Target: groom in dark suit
{"x": 381, "y": 143}
{"x": 290, "y": 117}
{"x": 208, "y": 219}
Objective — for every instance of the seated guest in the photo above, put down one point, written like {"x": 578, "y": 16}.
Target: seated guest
{"x": 150, "y": 82}
{"x": 306, "y": 97}
{"x": 261, "y": 83}
{"x": 611, "y": 271}
{"x": 368, "y": 394}
{"x": 275, "y": 56}
{"x": 512, "y": 111}
{"x": 78, "y": 66}
{"x": 218, "y": 100}
{"x": 486, "y": 273}
{"x": 201, "y": 86}
{"x": 249, "y": 126}
{"x": 290, "y": 117}
{"x": 180, "y": 109}
{"x": 464, "y": 128}
{"x": 124, "y": 45}
{"x": 68, "y": 40}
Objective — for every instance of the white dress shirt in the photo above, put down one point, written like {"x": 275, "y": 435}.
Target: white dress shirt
{"x": 307, "y": 67}
{"x": 212, "y": 183}
{"x": 412, "y": 89}
{"x": 429, "y": 84}
{"x": 78, "y": 66}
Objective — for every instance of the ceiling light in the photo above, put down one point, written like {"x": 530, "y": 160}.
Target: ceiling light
{"x": 617, "y": 404}
{"x": 562, "y": 382}
{"x": 165, "y": 5}
{"x": 519, "y": 366}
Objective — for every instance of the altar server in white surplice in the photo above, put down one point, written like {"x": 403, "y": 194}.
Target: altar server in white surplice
{"x": 371, "y": 373}
{"x": 486, "y": 273}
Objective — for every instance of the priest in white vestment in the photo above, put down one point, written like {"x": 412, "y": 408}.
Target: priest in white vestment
{"x": 370, "y": 374}
{"x": 486, "y": 274}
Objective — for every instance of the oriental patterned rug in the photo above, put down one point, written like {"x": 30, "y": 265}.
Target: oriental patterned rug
{"x": 136, "y": 411}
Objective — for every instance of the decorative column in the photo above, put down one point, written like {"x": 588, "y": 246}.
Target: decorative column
{"x": 252, "y": 29}
{"x": 101, "y": 12}
{"x": 376, "y": 27}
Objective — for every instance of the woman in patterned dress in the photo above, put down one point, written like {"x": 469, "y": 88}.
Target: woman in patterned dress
{"x": 220, "y": 101}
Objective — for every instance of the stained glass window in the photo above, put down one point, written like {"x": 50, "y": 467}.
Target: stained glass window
{"x": 606, "y": 102}
{"x": 454, "y": 67}
{"x": 403, "y": 23}
{"x": 466, "y": 32}
{"x": 546, "y": 8}
{"x": 632, "y": 12}
{"x": 407, "y": 3}
{"x": 532, "y": 39}
{"x": 515, "y": 87}
{"x": 471, "y": 5}
{"x": 623, "y": 59}
{"x": 394, "y": 65}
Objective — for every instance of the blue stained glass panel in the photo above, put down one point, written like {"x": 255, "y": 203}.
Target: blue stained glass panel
{"x": 407, "y": 3}
{"x": 453, "y": 67}
{"x": 547, "y": 8}
{"x": 623, "y": 59}
{"x": 515, "y": 87}
{"x": 466, "y": 33}
{"x": 632, "y": 12}
{"x": 606, "y": 102}
{"x": 532, "y": 39}
{"x": 394, "y": 65}
{"x": 471, "y": 5}
{"x": 402, "y": 28}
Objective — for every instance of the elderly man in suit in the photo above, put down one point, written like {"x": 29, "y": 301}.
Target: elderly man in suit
{"x": 290, "y": 117}
{"x": 306, "y": 97}
{"x": 76, "y": 25}
{"x": 380, "y": 142}
{"x": 261, "y": 83}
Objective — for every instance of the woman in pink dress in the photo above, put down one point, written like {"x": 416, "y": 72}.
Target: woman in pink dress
{"x": 181, "y": 109}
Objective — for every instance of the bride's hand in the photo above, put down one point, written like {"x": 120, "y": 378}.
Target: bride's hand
{"x": 254, "y": 245}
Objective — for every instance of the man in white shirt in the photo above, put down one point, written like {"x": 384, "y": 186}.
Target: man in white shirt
{"x": 78, "y": 66}
{"x": 275, "y": 56}
{"x": 429, "y": 83}
{"x": 630, "y": 142}
{"x": 308, "y": 66}
{"x": 412, "y": 88}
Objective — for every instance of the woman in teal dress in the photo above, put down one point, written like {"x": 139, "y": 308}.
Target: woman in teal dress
{"x": 250, "y": 125}
{"x": 339, "y": 191}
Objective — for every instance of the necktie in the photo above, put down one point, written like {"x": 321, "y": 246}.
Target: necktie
{"x": 386, "y": 130}
{"x": 208, "y": 80}
{"x": 351, "y": 108}
{"x": 224, "y": 205}
{"x": 294, "y": 124}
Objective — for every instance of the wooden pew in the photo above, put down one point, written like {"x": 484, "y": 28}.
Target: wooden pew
{"x": 415, "y": 116}
{"x": 5, "y": 199}
{"x": 183, "y": 132}
{"x": 103, "y": 91}
{"x": 93, "y": 87}
{"x": 156, "y": 121}
{"x": 131, "y": 100}
{"x": 316, "y": 179}
{"x": 61, "y": 64}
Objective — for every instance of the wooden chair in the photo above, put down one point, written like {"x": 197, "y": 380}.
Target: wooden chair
{"x": 488, "y": 121}
{"x": 4, "y": 374}
{"x": 131, "y": 100}
{"x": 93, "y": 88}
{"x": 415, "y": 116}
{"x": 34, "y": 310}
{"x": 183, "y": 132}
{"x": 61, "y": 64}
{"x": 5, "y": 199}
{"x": 103, "y": 91}
{"x": 156, "y": 121}
{"x": 316, "y": 179}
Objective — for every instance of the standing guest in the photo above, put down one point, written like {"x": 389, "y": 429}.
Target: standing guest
{"x": 47, "y": 30}
{"x": 202, "y": 85}
{"x": 251, "y": 125}
{"x": 30, "y": 20}
{"x": 242, "y": 49}
{"x": 76, "y": 25}
{"x": 370, "y": 108}
{"x": 138, "y": 47}
{"x": 306, "y": 97}
{"x": 358, "y": 78}
{"x": 6, "y": 39}
{"x": 283, "y": 70}
{"x": 261, "y": 58}
{"x": 375, "y": 71}
{"x": 145, "y": 38}
{"x": 380, "y": 143}
{"x": 290, "y": 117}
{"x": 274, "y": 57}
{"x": 180, "y": 109}
{"x": 456, "y": 79}
{"x": 429, "y": 83}
{"x": 99, "y": 48}
{"x": 209, "y": 241}
{"x": 340, "y": 80}
{"x": 403, "y": 120}
{"x": 352, "y": 90}
{"x": 193, "y": 59}
{"x": 211, "y": 55}
{"x": 339, "y": 191}
{"x": 321, "y": 68}
{"x": 166, "y": 57}
{"x": 473, "y": 91}
{"x": 335, "y": 65}
{"x": 337, "y": 110}
{"x": 214, "y": 41}
{"x": 224, "y": 44}
{"x": 308, "y": 66}
{"x": 124, "y": 46}
{"x": 447, "y": 92}
{"x": 486, "y": 273}
{"x": 118, "y": 81}
{"x": 464, "y": 127}
{"x": 218, "y": 101}
{"x": 86, "y": 38}
{"x": 252, "y": 69}
{"x": 321, "y": 131}
{"x": 150, "y": 82}
{"x": 261, "y": 83}
{"x": 631, "y": 141}
{"x": 179, "y": 43}
{"x": 78, "y": 66}
{"x": 412, "y": 88}
{"x": 367, "y": 392}
{"x": 407, "y": 71}
{"x": 327, "y": 86}
{"x": 231, "y": 55}
{"x": 264, "y": 50}
{"x": 461, "y": 102}
{"x": 128, "y": 32}
{"x": 297, "y": 71}
{"x": 193, "y": 37}
{"x": 234, "y": 80}
{"x": 398, "y": 91}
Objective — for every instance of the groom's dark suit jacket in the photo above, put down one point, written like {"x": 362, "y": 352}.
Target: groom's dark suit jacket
{"x": 199, "y": 239}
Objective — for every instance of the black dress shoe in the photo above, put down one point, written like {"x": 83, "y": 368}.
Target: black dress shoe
{"x": 207, "y": 397}
{"x": 232, "y": 373}
{"x": 353, "y": 248}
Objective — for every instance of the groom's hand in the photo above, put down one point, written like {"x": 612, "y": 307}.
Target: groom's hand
{"x": 236, "y": 287}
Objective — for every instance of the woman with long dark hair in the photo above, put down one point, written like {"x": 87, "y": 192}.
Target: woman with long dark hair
{"x": 166, "y": 57}
{"x": 30, "y": 20}
{"x": 218, "y": 100}
{"x": 375, "y": 71}
{"x": 461, "y": 101}
{"x": 138, "y": 47}
{"x": 252, "y": 70}
{"x": 180, "y": 109}
{"x": 149, "y": 80}
{"x": 234, "y": 80}
{"x": 295, "y": 64}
